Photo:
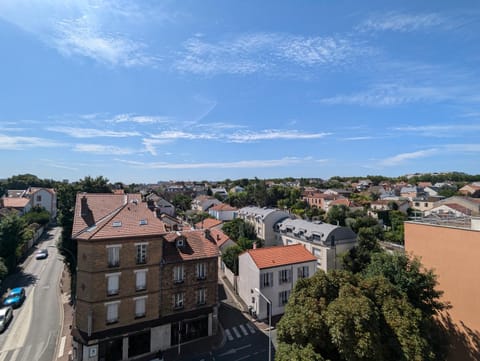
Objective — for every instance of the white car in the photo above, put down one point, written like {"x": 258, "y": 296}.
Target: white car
{"x": 6, "y": 315}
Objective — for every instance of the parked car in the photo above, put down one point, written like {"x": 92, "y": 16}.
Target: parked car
{"x": 41, "y": 254}
{"x": 6, "y": 315}
{"x": 15, "y": 297}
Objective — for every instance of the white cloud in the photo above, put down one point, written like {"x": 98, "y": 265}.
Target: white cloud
{"x": 358, "y": 138}
{"x": 178, "y": 134}
{"x": 151, "y": 144}
{"x": 20, "y": 143}
{"x": 439, "y": 130}
{"x": 274, "y": 134}
{"x": 403, "y": 157}
{"x": 403, "y": 22}
{"x": 141, "y": 119}
{"x": 102, "y": 149}
{"x": 251, "y": 53}
{"x": 237, "y": 164}
{"x": 92, "y": 133}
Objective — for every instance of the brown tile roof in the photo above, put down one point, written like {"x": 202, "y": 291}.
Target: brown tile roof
{"x": 15, "y": 202}
{"x": 458, "y": 208}
{"x": 32, "y": 190}
{"x": 219, "y": 237}
{"x": 196, "y": 246}
{"x": 208, "y": 223}
{"x": 268, "y": 257}
{"x": 223, "y": 207}
{"x": 107, "y": 216}
{"x": 343, "y": 201}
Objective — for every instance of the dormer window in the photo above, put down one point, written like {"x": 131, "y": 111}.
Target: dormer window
{"x": 117, "y": 224}
{"x": 180, "y": 242}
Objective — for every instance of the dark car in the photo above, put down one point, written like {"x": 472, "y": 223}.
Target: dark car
{"x": 6, "y": 315}
{"x": 15, "y": 297}
{"x": 41, "y": 254}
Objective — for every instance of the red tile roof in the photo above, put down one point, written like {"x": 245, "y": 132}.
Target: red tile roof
{"x": 208, "y": 223}
{"x": 219, "y": 237}
{"x": 268, "y": 257}
{"x": 15, "y": 202}
{"x": 107, "y": 216}
{"x": 196, "y": 246}
{"x": 223, "y": 207}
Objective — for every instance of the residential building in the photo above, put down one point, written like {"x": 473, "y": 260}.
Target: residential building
{"x": 223, "y": 212}
{"x": 161, "y": 205}
{"x": 24, "y": 200}
{"x": 451, "y": 249}
{"x": 274, "y": 272}
{"x": 263, "y": 220}
{"x": 189, "y": 286}
{"x": 470, "y": 189}
{"x": 203, "y": 203}
{"x": 426, "y": 203}
{"x": 128, "y": 303}
{"x": 325, "y": 241}
{"x": 209, "y": 223}
{"x": 385, "y": 205}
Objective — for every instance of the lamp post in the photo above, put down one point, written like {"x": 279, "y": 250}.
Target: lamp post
{"x": 269, "y": 323}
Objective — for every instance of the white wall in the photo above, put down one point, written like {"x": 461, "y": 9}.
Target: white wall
{"x": 48, "y": 201}
{"x": 248, "y": 278}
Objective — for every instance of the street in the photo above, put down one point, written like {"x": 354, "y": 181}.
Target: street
{"x": 34, "y": 330}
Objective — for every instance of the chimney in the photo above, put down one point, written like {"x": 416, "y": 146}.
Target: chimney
{"x": 84, "y": 206}
{"x": 254, "y": 245}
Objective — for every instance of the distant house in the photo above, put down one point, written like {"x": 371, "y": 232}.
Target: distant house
{"x": 263, "y": 220}
{"x": 325, "y": 241}
{"x": 424, "y": 203}
{"x": 162, "y": 206}
{"x": 209, "y": 223}
{"x": 449, "y": 210}
{"x": 274, "y": 272}
{"x": 237, "y": 189}
{"x": 410, "y": 192}
{"x": 384, "y": 205}
{"x": 470, "y": 189}
{"x": 223, "y": 212}
{"x": 203, "y": 203}
{"x": 222, "y": 192}
{"x": 221, "y": 239}
{"x": 24, "y": 200}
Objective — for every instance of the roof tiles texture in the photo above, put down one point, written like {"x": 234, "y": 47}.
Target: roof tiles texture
{"x": 208, "y": 223}
{"x": 15, "y": 202}
{"x": 268, "y": 257}
{"x": 196, "y": 246}
{"x": 104, "y": 216}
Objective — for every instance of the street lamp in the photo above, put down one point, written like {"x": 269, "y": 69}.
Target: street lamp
{"x": 269, "y": 323}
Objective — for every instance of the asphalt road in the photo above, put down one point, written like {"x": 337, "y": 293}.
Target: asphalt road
{"x": 36, "y": 325}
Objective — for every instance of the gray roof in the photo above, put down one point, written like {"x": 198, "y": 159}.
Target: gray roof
{"x": 258, "y": 211}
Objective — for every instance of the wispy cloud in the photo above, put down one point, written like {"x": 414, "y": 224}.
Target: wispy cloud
{"x": 403, "y": 22}
{"x": 141, "y": 119}
{"x": 237, "y": 164}
{"x": 92, "y": 133}
{"x": 384, "y": 95}
{"x": 258, "y": 52}
{"x": 358, "y": 138}
{"x": 403, "y": 157}
{"x": 87, "y": 28}
{"x": 274, "y": 134}
{"x": 102, "y": 149}
{"x": 439, "y": 130}
{"x": 151, "y": 144}
{"x": 8, "y": 142}
{"x": 178, "y": 134}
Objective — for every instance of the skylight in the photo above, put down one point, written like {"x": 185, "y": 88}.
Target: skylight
{"x": 117, "y": 224}
{"x": 143, "y": 222}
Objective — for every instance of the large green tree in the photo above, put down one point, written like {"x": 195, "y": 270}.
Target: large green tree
{"x": 12, "y": 239}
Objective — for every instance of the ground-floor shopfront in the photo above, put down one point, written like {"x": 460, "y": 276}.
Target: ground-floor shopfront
{"x": 128, "y": 346}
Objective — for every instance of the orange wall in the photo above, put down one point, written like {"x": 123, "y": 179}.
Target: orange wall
{"x": 454, "y": 254}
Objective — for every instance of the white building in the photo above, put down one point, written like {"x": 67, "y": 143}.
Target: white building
{"x": 325, "y": 241}
{"x": 264, "y": 220}
{"x": 203, "y": 203}
{"x": 273, "y": 271}
{"x": 223, "y": 212}
{"x": 24, "y": 200}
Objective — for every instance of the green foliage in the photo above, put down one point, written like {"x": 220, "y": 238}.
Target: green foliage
{"x": 369, "y": 316}
{"x": 3, "y": 270}
{"x": 197, "y": 217}
{"x": 94, "y": 185}
{"x": 358, "y": 257}
{"x": 182, "y": 202}
{"x": 12, "y": 239}
{"x": 337, "y": 215}
{"x": 238, "y": 228}
{"x": 230, "y": 257}
{"x": 37, "y": 215}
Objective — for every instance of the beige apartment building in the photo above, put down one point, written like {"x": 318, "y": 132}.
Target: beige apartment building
{"x": 126, "y": 306}
{"x": 452, "y": 249}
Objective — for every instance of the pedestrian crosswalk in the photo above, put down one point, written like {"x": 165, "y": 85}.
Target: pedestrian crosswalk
{"x": 239, "y": 331}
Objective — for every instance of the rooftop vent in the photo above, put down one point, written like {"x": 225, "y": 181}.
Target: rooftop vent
{"x": 117, "y": 224}
{"x": 143, "y": 222}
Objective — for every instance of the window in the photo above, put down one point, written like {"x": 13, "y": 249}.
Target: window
{"x": 201, "y": 296}
{"x": 178, "y": 274}
{"x": 178, "y": 300}
{"x": 141, "y": 253}
{"x": 113, "y": 283}
{"x": 284, "y": 276}
{"x": 39, "y": 198}
{"x": 318, "y": 253}
{"x": 113, "y": 256}
{"x": 112, "y": 311}
{"x": 283, "y": 297}
{"x": 140, "y": 306}
{"x": 140, "y": 280}
{"x": 201, "y": 270}
{"x": 303, "y": 272}
{"x": 267, "y": 279}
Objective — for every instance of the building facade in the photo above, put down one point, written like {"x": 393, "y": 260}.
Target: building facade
{"x": 264, "y": 220}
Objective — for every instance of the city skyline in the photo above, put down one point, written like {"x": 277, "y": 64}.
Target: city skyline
{"x": 140, "y": 93}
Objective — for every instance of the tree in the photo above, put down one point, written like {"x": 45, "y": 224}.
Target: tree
{"x": 37, "y": 215}
{"x": 337, "y": 215}
{"x": 358, "y": 257}
{"x": 230, "y": 257}
{"x": 3, "y": 270}
{"x": 238, "y": 228}
{"x": 94, "y": 185}
{"x": 12, "y": 239}
{"x": 182, "y": 202}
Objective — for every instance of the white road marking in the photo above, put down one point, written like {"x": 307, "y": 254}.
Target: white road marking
{"x": 62, "y": 346}
{"x": 3, "y": 355}
{"x": 251, "y": 328}
{"x": 244, "y": 330}
{"x": 14, "y": 355}
{"x": 236, "y": 332}
{"x": 26, "y": 351}
{"x": 227, "y": 332}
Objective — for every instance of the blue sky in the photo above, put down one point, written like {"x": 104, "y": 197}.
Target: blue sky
{"x": 143, "y": 91}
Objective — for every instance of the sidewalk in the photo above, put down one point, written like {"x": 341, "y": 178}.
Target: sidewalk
{"x": 64, "y": 349}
